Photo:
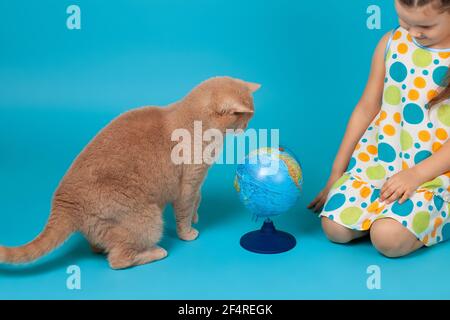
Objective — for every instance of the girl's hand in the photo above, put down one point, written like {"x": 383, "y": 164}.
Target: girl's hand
{"x": 318, "y": 202}
{"x": 401, "y": 186}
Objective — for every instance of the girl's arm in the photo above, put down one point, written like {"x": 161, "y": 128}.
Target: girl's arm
{"x": 435, "y": 165}
{"x": 365, "y": 111}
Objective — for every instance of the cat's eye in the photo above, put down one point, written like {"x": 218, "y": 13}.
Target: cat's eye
{"x": 221, "y": 112}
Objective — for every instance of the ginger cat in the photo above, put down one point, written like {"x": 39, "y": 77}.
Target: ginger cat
{"x": 115, "y": 191}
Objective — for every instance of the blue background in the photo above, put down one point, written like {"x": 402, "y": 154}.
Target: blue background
{"x": 58, "y": 87}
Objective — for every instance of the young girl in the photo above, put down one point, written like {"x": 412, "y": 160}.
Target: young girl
{"x": 391, "y": 176}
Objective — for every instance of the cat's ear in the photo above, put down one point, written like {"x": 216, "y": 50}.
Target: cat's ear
{"x": 252, "y": 86}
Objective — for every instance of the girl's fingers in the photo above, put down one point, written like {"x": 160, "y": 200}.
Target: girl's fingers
{"x": 386, "y": 193}
{"x": 405, "y": 197}
{"x": 316, "y": 200}
{"x": 318, "y": 207}
{"x": 394, "y": 196}
{"x": 313, "y": 203}
{"x": 383, "y": 192}
{"x": 386, "y": 184}
{"x": 317, "y": 204}
{"x": 387, "y": 187}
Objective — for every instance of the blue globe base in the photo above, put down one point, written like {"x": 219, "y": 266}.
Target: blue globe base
{"x": 268, "y": 240}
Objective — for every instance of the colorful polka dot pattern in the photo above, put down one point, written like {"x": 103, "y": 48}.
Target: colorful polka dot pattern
{"x": 354, "y": 203}
{"x": 405, "y": 132}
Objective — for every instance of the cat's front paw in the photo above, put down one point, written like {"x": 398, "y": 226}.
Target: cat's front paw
{"x": 189, "y": 235}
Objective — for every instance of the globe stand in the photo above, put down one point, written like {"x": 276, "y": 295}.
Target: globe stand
{"x": 268, "y": 240}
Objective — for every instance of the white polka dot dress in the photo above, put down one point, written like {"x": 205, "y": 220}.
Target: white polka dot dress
{"x": 404, "y": 133}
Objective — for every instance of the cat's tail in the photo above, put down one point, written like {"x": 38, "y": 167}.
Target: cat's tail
{"x": 59, "y": 227}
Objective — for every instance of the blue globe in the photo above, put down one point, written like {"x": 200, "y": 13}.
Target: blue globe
{"x": 269, "y": 181}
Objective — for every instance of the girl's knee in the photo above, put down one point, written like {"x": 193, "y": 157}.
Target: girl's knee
{"x": 391, "y": 239}
{"x": 335, "y": 232}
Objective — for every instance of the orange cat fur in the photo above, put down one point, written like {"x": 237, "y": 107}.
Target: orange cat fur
{"x": 115, "y": 191}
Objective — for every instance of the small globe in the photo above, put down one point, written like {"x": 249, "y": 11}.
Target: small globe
{"x": 269, "y": 181}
